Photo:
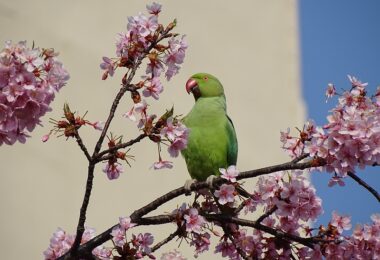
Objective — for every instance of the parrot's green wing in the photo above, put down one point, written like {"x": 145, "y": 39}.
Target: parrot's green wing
{"x": 232, "y": 148}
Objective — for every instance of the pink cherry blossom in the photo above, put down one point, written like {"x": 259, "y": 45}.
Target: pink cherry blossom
{"x": 194, "y": 221}
{"x": 137, "y": 109}
{"x": 113, "y": 170}
{"x": 172, "y": 255}
{"x": 125, "y": 223}
{"x": 154, "y": 89}
{"x": 141, "y": 25}
{"x": 249, "y": 206}
{"x": 98, "y": 125}
{"x": 201, "y": 242}
{"x": 109, "y": 66}
{"x": 172, "y": 131}
{"x": 29, "y": 79}
{"x": 145, "y": 241}
{"x": 331, "y": 91}
{"x": 244, "y": 241}
{"x": 137, "y": 42}
{"x": 45, "y": 138}
{"x": 227, "y": 249}
{"x": 161, "y": 164}
{"x": 349, "y": 140}
{"x": 230, "y": 173}
{"x": 336, "y": 180}
{"x": 175, "y": 56}
{"x": 225, "y": 194}
{"x": 103, "y": 253}
{"x": 118, "y": 236}
{"x": 155, "y": 68}
{"x": 178, "y": 144}
{"x": 177, "y": 135}
{"x": 61, "y": 242}
{"x": 154, "y": 8}
{"x": 341, "y": 222}
{"x": 122, "y": 44}
{"x": 355, "y": 82}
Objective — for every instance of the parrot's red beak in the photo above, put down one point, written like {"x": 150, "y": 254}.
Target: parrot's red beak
{"x": 190, "y": 84}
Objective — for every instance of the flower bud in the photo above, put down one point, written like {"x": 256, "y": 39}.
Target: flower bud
{"x": 135, "y": 95}
{"x": 68, "y": 114}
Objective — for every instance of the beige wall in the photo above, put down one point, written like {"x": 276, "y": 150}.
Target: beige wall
{"x": 252, "y": 46}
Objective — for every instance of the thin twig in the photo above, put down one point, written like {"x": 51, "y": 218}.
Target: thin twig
{"x": 267, "y": 214}
{"x": 365, "y": 185}
{"x": 240, "y": 207}
{"x": 117, "y": 147}
{"x": 166, "y": 240}
{"x": 126, "y": 86}
{"x": 277, "y": 233}
{"x": 82, "y": 146}
{"x": 90, "y": 175}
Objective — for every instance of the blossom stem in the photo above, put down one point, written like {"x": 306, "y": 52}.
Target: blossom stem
{"x": 166, "y": 240}
{"x": 277, "y": 233}
{"x": 82, "y": 146}
{"x": 267, "y": 214}
{"x": 117, "y": 147}
{"x": 365, "y": 185}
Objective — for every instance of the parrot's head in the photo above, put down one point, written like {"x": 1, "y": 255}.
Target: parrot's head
{"x": 204, "y": 85}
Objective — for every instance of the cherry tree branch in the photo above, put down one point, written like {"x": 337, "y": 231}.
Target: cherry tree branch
{"x": 309, "y": 242}
{"x": 126, "y": 86}
{"x": 365, "y": 185}
{"x": 83, "y": 209}
{"x": 300, "y": 158}
{"x": 139, "y": 213}
{"x": 266, "y": 214}
{"x": 109, "y": 151}
{"x": 166, "y": 240}
{"x": 82, "y": 146}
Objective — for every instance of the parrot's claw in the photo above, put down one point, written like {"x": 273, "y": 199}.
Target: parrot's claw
{"x": 210, "y": 181}
{"x": 188, "y": 184}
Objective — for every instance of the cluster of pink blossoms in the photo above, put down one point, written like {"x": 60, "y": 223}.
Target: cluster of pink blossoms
{"x": 226, "y": 193}
{"x": 172, "y": 255}
{"x": 294, "y": 202}
{"x": 350, "y": 139}
{"x": 137, "y": 247}
{"x": 195, "y": 226}
{"x": 61, "y": 242}
{"x": 29, "y": 79}
{"x": 364, "y": 243}
{"x": 145, "y": 38}
{"x": 292, "y": 194}
{"x": 113, "y": 168}
{"x": 140, "y": 40}
{"x": 177, "y": 134}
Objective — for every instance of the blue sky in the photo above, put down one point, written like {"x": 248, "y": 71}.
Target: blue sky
{"x": 338, "y": 38}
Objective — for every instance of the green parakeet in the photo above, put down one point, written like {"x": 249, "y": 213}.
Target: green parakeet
{"x": 212, "y": 142}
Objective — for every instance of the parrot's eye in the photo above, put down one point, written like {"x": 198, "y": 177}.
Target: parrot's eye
{"x": 205, "y": 78}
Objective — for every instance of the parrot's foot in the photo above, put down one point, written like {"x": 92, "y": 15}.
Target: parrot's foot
{"x": 210, "y": 181}
{"x": 188, "y": 184}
